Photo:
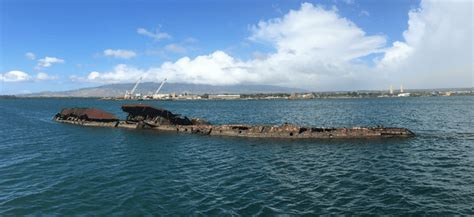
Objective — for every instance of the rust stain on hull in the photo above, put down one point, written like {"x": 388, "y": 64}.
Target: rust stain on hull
{"x": 145, "y": 116}
{"x": 88, "y": 114}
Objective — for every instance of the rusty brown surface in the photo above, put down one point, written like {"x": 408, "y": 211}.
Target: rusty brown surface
{"x": 145, "y": 116}
{"x": 287, "y": 131}
{"x": 88, "y": 114}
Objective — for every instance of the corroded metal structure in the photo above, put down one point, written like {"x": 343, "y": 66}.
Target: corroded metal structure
{"x": 146, "y": 116}
{"x": 153, "y": 116}
{"x": 86, "y": 114}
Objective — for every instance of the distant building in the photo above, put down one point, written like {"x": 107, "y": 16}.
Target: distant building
{"x": 308, "y": 96}
{"x": 161, "y": 96}
{"x": 301, "y": 96}
{"x": 225, "y": 96}
{"x": 188, "y": 96}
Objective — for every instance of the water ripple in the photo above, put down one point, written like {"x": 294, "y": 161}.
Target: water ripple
{"x": 52, "y": 169}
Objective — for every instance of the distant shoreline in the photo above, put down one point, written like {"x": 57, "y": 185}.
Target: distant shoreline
{"x": 277, "y": 96}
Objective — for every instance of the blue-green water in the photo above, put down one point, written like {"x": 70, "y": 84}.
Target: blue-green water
{"x": 51, "y": 168}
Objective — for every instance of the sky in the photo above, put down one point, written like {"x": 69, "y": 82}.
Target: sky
{"x": 320, "y": 45}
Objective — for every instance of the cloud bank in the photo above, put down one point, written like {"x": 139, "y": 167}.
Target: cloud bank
{"x": 315, "y": 48}
{"x": 20, "y": 76}
{"x": 437, "y": 50}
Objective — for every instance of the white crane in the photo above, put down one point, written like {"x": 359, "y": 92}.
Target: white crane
{"x": 156, "y": 96}
{"x": 161, "y": 85}
{"x": 129, "y": 95}
{"x": 136, "y": 85}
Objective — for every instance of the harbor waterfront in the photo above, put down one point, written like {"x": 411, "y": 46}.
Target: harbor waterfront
{"x": 49, "y": 168}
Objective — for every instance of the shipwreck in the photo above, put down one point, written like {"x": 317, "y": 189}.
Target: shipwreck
{"x": 142, "y": 116}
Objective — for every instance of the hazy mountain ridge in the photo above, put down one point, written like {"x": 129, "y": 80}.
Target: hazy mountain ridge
{"x": 116, "y": 90}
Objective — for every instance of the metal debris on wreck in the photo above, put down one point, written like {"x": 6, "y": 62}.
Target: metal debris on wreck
{"x": 146, "y": 116}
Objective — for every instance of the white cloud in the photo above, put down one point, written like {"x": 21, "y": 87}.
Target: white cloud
{"x": 42, "y": 76}
{"x": 315, "y": 48}
{"x": 48, "y": 61}
{"x": 157, "y": 34}
{"x": 305, "y": 55}
{"x": 120, "y": 73}
{"x": 317, "y": 32}
{"x": 30, "y": 55}
{"x": 15, "y": 76}
{"x": 119, "y": 53}
{"x": 19, "y": 76}
{"x": 437, "y": 47}
{"x": 216, "y": 68}
{"x": 175, "y": 48}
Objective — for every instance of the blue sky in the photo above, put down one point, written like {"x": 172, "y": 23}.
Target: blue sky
{"x": 79, "y": 32}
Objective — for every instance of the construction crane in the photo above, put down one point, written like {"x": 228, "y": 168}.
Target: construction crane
{"x": 129, "y": 95}
{"x": 155, "y": 96}
{"x": 161, "y": 85}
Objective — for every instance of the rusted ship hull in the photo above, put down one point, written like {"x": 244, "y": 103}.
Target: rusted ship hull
{"x": 147, "y": 117}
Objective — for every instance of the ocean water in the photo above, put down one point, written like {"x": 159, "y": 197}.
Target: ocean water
{"x": 47, "y": 168}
